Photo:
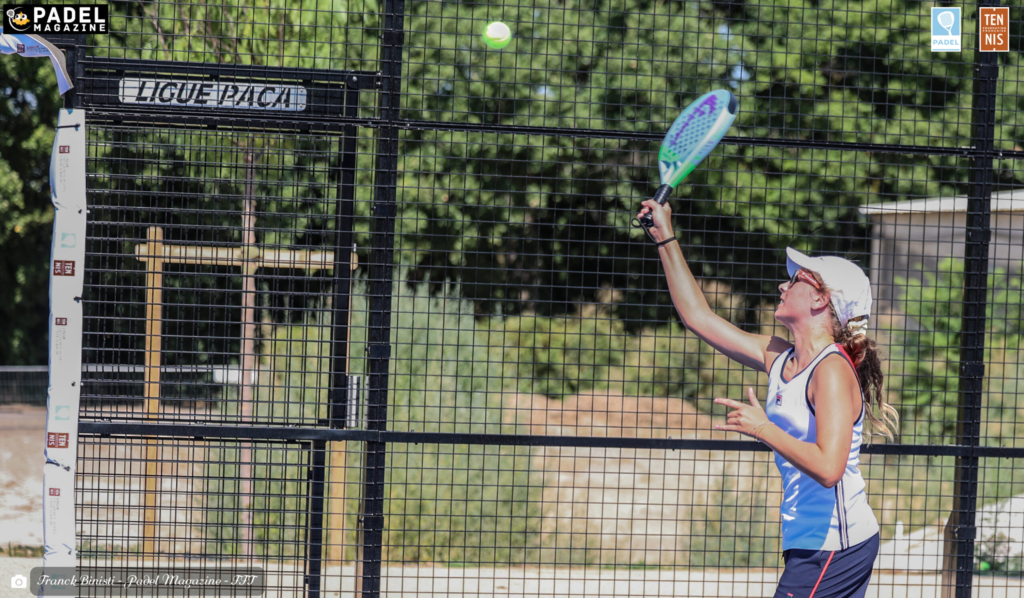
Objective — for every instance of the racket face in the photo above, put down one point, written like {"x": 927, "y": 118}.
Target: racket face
{"x": 695, "y": 132}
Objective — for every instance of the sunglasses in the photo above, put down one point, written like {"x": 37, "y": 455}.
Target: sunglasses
{"x": 806, "y": 277}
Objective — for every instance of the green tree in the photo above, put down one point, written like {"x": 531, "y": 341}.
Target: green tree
{"x": 925, "y": 355}
{"x": 28, "y": 113}
{"x": 803, "y": 70}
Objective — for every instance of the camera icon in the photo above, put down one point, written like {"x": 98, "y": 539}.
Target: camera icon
{"x": 19, "y": 582}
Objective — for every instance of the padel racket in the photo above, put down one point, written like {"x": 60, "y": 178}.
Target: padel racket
{"x": 695, "y": 132}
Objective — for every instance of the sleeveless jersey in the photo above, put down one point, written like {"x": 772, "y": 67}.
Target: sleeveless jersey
{"x": 815, "y": 517}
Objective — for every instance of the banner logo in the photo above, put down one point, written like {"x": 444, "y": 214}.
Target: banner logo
{"x": 946, "y": 26}
{"x": 60, "y": 321}
{"x": 63, "y": 267}
{"x": 67, "y": 240}
{"x": 994, "y": 29}
{"x": 62, "y": 413}
{"x": 214, "y": 94}
{"x": 54, "y": 491}
{"x": 17, "y": 21}
{"x": 56, "y": 440}
{"x": 45, "y": 18}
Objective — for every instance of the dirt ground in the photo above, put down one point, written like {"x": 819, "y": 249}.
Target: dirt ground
{"x": 22, "y": 436}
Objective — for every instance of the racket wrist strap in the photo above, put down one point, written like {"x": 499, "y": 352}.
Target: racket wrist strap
{"x": 665, "y": 242}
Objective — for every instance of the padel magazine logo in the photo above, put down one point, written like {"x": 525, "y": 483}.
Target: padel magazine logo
{"x": 46, "y": 18}
{"x": 946, "y": 28}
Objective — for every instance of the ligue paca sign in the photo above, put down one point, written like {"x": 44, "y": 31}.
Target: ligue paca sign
{"x": 213, "y": 94}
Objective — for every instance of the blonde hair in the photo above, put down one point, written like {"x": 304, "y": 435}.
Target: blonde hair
{"x": 867, "y": 362}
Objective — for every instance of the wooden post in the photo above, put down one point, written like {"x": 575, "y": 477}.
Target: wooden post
{"x": 155, "y": 253}
{"x": 338, "y": 455}
{"x": 249, "y": 364}
{"x": 949, "y": 554}
{"x": 154, "y": 330}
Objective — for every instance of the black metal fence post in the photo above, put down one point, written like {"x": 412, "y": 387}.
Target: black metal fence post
{"x": 371, "y": 523}
{"x": 961, "y": 529}
{"x": 340, "y": 403}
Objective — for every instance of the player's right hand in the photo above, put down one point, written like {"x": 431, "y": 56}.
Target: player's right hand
{"x": 662, "y": 216}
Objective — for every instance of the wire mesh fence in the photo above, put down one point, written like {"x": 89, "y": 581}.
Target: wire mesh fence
{"x": 23, "y": 385}
{"x": 364, "y": 306}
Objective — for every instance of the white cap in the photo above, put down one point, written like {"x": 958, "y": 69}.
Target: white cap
{"x": 851, "y": 289}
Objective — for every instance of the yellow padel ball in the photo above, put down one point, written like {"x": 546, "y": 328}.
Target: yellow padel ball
{"x": 497, "y": 35}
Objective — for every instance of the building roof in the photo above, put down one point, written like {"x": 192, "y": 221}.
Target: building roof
{"x": 1003, "y": 201}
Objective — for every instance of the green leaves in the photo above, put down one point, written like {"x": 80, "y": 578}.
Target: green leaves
{"x": 28, "y": 113}
{"x": 925, "y": 352}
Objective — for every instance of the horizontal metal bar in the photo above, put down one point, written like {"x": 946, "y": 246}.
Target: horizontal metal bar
{"x": 24, "y": 368}
{"x": 231, "y": 432}
{"x": 681, "y": 444}
{"x": 658, "y": 136}
{"x": 335, "y": 124}
{"x": 235, "y": 71}
{"x": 221, "y": 119}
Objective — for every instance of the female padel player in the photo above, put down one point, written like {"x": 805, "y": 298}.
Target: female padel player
{"x": 821, "y": 387}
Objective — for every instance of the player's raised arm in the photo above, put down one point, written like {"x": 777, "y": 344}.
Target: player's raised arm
{"x": 752, "y": 350}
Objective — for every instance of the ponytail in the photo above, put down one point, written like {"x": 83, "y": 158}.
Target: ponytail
{"x": 863, "y": 351}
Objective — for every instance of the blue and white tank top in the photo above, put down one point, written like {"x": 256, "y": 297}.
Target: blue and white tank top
{"x": 815, "y": 517}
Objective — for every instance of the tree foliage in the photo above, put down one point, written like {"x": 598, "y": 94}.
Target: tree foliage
{"x": 522, "y": 223}
{"x": 28, "y": 113}
{"x": 854, "y": 72}
{"x": 925, "y": 355}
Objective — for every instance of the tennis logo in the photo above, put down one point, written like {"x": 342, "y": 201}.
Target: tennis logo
{"x": 57, "y": 440}
{"x": 994, "y": 29}
{"x": 44, "y": 18}
{"x": 946, "y": 26}
{"x": 63, "y": 267}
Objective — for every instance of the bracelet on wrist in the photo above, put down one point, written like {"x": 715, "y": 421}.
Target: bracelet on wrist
{"x": 665, "y": 242}
{"x": 756, "y": 432}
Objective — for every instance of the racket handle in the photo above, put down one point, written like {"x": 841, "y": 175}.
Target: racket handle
{"x": 660, "y": 196}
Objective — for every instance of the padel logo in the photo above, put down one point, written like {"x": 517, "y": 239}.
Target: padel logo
{"x": 62, "y": 413}
{"x": 946, "y": 27}
{"x": 57, "y": 440}
{"x": 44, "y": 18}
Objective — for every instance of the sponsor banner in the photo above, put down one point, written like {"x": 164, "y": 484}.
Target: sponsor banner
{"x": 994, "y": 29}
{"x": 946, "y": 29}
{"x": 67, "y": 189}
{"x": 34, "y": 46}
{"x": 53, "y": 18}
{"x": 213, "y": 94}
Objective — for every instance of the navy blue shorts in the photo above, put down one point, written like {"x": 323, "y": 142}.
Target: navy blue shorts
{"x": 827, "y": 573}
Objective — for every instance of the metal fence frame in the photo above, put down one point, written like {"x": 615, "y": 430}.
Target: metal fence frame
{"x": 967, "y": 449}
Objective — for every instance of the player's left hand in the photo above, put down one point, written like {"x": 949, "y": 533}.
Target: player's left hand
{"x": 745, "y": 418}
